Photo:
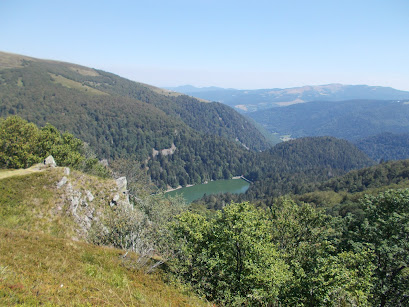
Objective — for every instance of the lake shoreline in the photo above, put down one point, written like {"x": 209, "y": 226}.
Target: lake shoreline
{"x": 192, "y": 185}
{"x": 192, "y": 192}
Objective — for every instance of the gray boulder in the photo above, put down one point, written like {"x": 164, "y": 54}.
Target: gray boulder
{"x": 49, "y": 161}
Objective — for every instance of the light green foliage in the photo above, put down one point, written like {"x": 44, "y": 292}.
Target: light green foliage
{"x": 384, "y": 229}
{"x": 64, "y": 148}
{"x": 320, "y": 274}
{"x": 22, "y": 144}
{"x": 231, "y": 258}
{"x": 286, "y": 255}
{"x": 18, "y": 143}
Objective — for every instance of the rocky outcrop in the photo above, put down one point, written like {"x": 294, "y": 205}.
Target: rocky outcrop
{"x": 122, "y": 196}
{"x": 85, "y": 198}
{"x": 164, "y": 152}
{"x": 49, "y": 161}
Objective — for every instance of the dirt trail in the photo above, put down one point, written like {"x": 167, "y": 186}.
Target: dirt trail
{"x": 22, "y": 171}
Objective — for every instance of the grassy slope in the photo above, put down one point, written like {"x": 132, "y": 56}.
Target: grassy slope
{"x": 41, "y": 264}
{"x": 36, "y": 269}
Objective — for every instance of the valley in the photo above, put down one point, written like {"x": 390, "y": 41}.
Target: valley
{"x": 310, "y": 225}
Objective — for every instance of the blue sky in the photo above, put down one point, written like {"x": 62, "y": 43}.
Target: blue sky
{"x": 238, "y": 44}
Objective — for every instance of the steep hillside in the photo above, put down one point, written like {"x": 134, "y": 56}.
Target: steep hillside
{"x": 340, "y": 195}
{"x": 211, "y": 118}
{"x": 45, "y": 218}
{"x": 58, "y": 201}
{"x": 385, "y": 146}
{"x": 288, "y": 164}
{"x": 169, "y": 134}
{"x": 351, "y": 120}
{"x": 253, "y": 100}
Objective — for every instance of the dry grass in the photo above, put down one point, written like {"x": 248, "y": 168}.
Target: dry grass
{"x": 76, "y": 85}
{"x": 41, "y": 265}
{"x": 11, "y": 60}
{"x": 85, "y": 71}
{"x": 37, "y": 269}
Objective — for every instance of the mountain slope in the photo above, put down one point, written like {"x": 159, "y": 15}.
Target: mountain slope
{"x": 289, "y": 164}
{"x": 168, "y": 133}
{"x": 385, "y": 146}
{"x": 293, "y": 167}
{"x": 253, "y": 100}
{"x": 351, "y": 120}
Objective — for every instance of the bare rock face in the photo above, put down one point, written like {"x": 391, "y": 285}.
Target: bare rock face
{"x": 122, "y": 196}
{"x": 89, "y": 196}
{"x": 49, "y": 161}
{"x": 86, "y": 200}
{"x": 62, "y": 182}
{"x": 122, "y": 183}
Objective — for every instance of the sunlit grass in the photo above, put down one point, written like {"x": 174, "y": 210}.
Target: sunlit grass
{"x": 38, "y": 269}
{"x": 41, "y": 265}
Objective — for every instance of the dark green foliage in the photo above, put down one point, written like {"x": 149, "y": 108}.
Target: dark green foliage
{"x": 295, "y": 166}
{"x": 351, "y": 120}
{"x": 384, "y": 229}
{"x": 386, "y": 146}
{"x": 119, "y": 118}
{"x": 393, "y": 172}
{"x": 209, "y": 118}
{"x": 340, "y": 195}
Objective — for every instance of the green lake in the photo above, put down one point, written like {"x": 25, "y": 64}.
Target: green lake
{"x": 234, "y": 186}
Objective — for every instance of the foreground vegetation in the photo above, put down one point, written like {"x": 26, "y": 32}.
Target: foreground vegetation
{"x": 296, "y": 255}
{"x": 288, "y": 254}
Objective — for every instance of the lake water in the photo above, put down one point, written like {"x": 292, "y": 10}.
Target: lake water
{"x": 234, "y": 186}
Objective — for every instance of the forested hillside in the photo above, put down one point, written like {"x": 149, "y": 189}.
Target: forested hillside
{"x": 351, "y": 120}
{"x": 172, "y": 136}
{"x": 282, "y": 252}
{"x": 176, "y": 139}
{"x": 295, "y": 166}
{"x": 385, "y": 146}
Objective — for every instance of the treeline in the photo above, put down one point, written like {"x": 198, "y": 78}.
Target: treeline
{"x": 337, "y": 194}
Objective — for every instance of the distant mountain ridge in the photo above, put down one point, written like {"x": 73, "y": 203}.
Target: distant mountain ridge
{"x": 260, "y": 99}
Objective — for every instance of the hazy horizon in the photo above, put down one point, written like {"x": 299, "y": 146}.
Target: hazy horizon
{"x": 228, "y": 44}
